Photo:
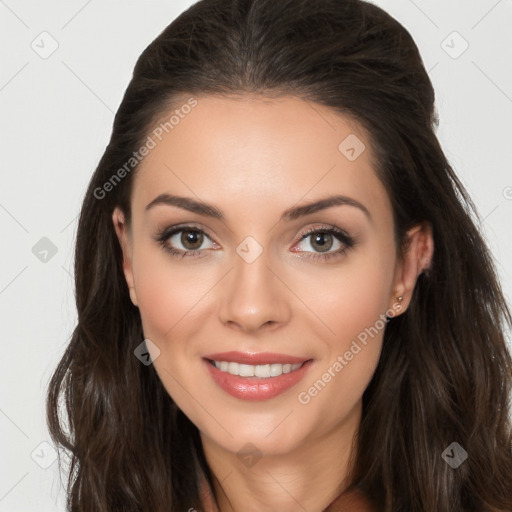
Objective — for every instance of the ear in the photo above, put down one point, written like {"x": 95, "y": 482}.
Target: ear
{"x": 124, "y": 236}
{"x": 416, "y": 257}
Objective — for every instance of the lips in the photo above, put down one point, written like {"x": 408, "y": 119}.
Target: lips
{"x": 255, "y": 376}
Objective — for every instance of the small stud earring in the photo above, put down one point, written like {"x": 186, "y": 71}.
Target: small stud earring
{"x": 400, "y": 299}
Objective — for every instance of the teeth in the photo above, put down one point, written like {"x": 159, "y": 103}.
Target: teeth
{"x": 261, "y": 370}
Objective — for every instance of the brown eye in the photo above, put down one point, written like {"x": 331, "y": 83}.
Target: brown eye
{"x": 322, "y": 241}
{"x": 191, "y": 239}
{"x": 185, "y": 241}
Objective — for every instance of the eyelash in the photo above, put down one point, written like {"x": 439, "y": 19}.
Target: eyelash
{"x": 340, "y": 235}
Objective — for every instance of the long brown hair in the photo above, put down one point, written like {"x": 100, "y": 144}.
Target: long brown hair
{"x": 445, "y": 374}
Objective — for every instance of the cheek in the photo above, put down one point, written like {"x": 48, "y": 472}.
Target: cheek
{"x": 169, "y": 296}
{"x": 353, "y": 305}
{"x": 351, "y": 298}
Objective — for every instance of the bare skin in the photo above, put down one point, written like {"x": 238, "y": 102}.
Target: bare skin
{"x": 254, "y": 158}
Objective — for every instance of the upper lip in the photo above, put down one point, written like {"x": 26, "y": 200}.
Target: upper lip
{"x": 255, "y": 359}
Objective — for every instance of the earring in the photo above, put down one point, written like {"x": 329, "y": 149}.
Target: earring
{"x": 400, "y": 299}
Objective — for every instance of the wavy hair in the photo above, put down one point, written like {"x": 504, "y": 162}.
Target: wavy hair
{"x": 445, "y": 372}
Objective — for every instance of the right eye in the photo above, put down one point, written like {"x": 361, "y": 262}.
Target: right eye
{"x": 184, "y": 241}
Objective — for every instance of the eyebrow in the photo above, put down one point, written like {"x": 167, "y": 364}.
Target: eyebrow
{"x": 202, "y": 208}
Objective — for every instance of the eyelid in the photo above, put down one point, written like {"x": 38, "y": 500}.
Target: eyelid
{"x": 189, "y": 226}
{"x": 322, "y": 228}
{"x": 298, "y": 238}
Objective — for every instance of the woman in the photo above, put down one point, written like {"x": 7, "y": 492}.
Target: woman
{"x": 283, "y": 300}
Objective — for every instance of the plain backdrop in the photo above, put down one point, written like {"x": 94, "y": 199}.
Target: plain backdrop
{"x": 64, "y": 68}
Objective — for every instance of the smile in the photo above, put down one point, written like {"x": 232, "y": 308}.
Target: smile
{"x": 255, "y": 376}
{"x": 263, "y": 371}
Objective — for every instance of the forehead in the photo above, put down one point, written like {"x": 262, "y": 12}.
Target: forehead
{"x": 257, "y": 150}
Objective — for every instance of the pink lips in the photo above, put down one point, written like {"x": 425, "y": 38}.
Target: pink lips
{"x": 256, "y": 388}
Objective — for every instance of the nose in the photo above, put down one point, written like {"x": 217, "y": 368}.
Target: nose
{"x": 253, "y": 297}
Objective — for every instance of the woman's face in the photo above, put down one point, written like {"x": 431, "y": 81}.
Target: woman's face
{"x": 255, "y": 284}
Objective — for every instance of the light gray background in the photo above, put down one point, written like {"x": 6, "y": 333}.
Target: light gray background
{"x": 56, "y": 117}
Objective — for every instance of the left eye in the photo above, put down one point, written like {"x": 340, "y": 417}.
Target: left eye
{"x": 323, "y": 240}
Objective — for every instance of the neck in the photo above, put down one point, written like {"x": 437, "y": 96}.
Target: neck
{"x": 309, "y": 478}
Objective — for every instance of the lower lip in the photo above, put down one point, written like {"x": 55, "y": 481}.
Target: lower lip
{"x": 256, "y": 388}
